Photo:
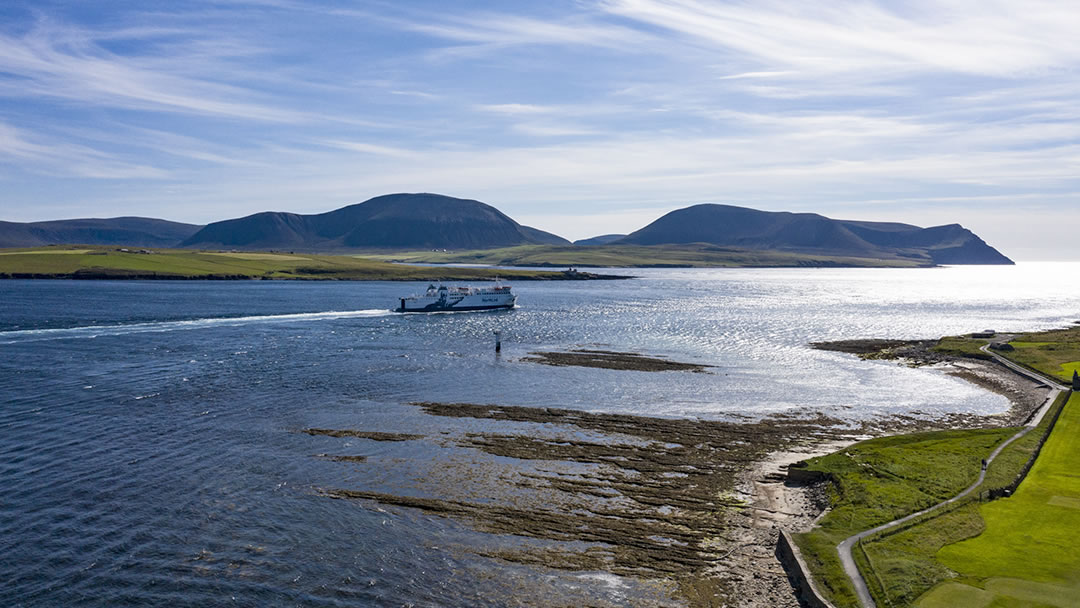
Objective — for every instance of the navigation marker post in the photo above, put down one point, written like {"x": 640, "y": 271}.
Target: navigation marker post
{"x": 498, "y": 340}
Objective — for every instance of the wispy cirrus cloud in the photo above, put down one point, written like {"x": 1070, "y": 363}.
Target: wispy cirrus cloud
{"x": 587, "y": 108}
{"x": 369, "y": 148}
{"x": 515, "y": 108}
{"x": 42, "y": 155}
{"x": 563, "y": 129}
{"x": 70, "y": 63}
{"x": 502, "y": 29}
{"x": 992, "y": 38}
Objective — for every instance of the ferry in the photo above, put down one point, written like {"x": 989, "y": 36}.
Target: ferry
{"x": 442, "y": 298}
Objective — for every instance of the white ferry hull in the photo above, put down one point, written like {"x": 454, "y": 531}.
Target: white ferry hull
{"x": 445, "y": 300}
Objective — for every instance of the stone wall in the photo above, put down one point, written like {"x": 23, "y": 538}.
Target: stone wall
{"x": 798, "y": 473}
{"x": 995, "y": 493}
{"x": 799, "y": 575}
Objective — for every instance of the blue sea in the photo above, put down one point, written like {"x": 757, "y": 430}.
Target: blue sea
{"x": 150, "y": 444}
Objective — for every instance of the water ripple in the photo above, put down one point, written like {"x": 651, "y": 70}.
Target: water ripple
{"x": 161, "y": 466}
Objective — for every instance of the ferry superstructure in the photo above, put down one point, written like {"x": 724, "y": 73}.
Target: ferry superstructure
{"x": 440, "y": 298}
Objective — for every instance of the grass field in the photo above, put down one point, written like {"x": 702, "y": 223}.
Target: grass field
{"x": 1027, "y": 555}
{"x": 962, "y": 346}
{"x": 903, "y": 564}
{"x": 1054, "y": 353}
{"x": 111, "y": 262}
{"x": 628, "y": 256}
{"x": 879, "y": 480}
{"x": 908, "y": 565}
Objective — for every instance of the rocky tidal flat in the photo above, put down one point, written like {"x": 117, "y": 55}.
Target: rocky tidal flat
{"x": 691, "y": 504}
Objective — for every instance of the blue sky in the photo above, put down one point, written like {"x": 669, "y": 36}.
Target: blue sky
{"x": 577, "y": 117}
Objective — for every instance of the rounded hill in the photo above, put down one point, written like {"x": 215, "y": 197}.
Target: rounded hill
{"x": 731, "y": 226}
{"x": 392, "y": 221}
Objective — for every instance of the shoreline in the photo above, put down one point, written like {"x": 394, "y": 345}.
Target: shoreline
{"x": 106, "y": 276}
{"x": 695, "y": 504}
{"x": 98, "y": 262}
{"x": 774, "y": 504}
{"x": 1025, "y": 395}
{"x": 778, "y": 503}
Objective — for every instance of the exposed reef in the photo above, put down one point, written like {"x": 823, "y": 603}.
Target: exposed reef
{"x": 342, "y": 457}
{"x": 872, "y": 348}
{"x": 372, "y": 435}
{"x": 653, "y": 498}
{"x": 605, "y": 359}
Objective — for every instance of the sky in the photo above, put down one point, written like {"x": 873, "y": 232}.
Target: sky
{"x": 580, "y": 117}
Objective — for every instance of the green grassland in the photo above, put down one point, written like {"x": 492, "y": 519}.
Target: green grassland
{"x": 111, "y": 262}
{"x": 903, "y": 563}
{"x": 879, "y": 480}
{"x": 627, "y": 256}
{"x": 1055, "y": 353}
{"x": 962, "y": 346}
{"x": 919, "y": 562}
{"x": 1027, "y": 555}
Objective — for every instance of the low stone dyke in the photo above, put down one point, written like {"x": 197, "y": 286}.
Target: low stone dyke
{"x": 798, "y": 573}
{"x": 995, "y": 493}
{"x": 798, "y": 473}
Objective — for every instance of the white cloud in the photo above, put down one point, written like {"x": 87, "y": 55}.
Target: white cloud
{"x": 44, "y": 156}
{"x": 997, "y": 38}
{"x": 552, "y": 130}
{"x": 374, "y": 149}
{"x": 512, "y": 30}
{"x": 514, "y": 108}
{"x": 613, "y": 109}
{"x": 66, "y": 63}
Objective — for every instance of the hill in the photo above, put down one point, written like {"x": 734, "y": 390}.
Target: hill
{"x": 131, "y": 231}
{"x": 698, "y": 255}
{"x": 393, "y": 221}
{"x": 603, "y": 239}
{"x": 810, "y": 233}
{"x": 428, "y": 226}
{"x": 544, "y": 238}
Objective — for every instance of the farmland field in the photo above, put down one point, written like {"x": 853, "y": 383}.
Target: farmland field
{"x": 1027, "y": 554}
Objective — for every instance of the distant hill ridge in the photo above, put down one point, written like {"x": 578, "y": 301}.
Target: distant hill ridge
{"x": 393, "y": 221}
{"x": 731, "y": 226}
{"x": 433, "y": 221}
{"x": 130, "y": 231}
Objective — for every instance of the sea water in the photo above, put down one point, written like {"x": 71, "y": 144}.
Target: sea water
{"x": 150, "y": 442}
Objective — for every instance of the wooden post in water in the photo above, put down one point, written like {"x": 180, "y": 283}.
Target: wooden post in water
{"x": 498, "y": 340}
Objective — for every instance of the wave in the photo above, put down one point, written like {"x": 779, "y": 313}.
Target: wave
{"x": 95, "y": 331}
